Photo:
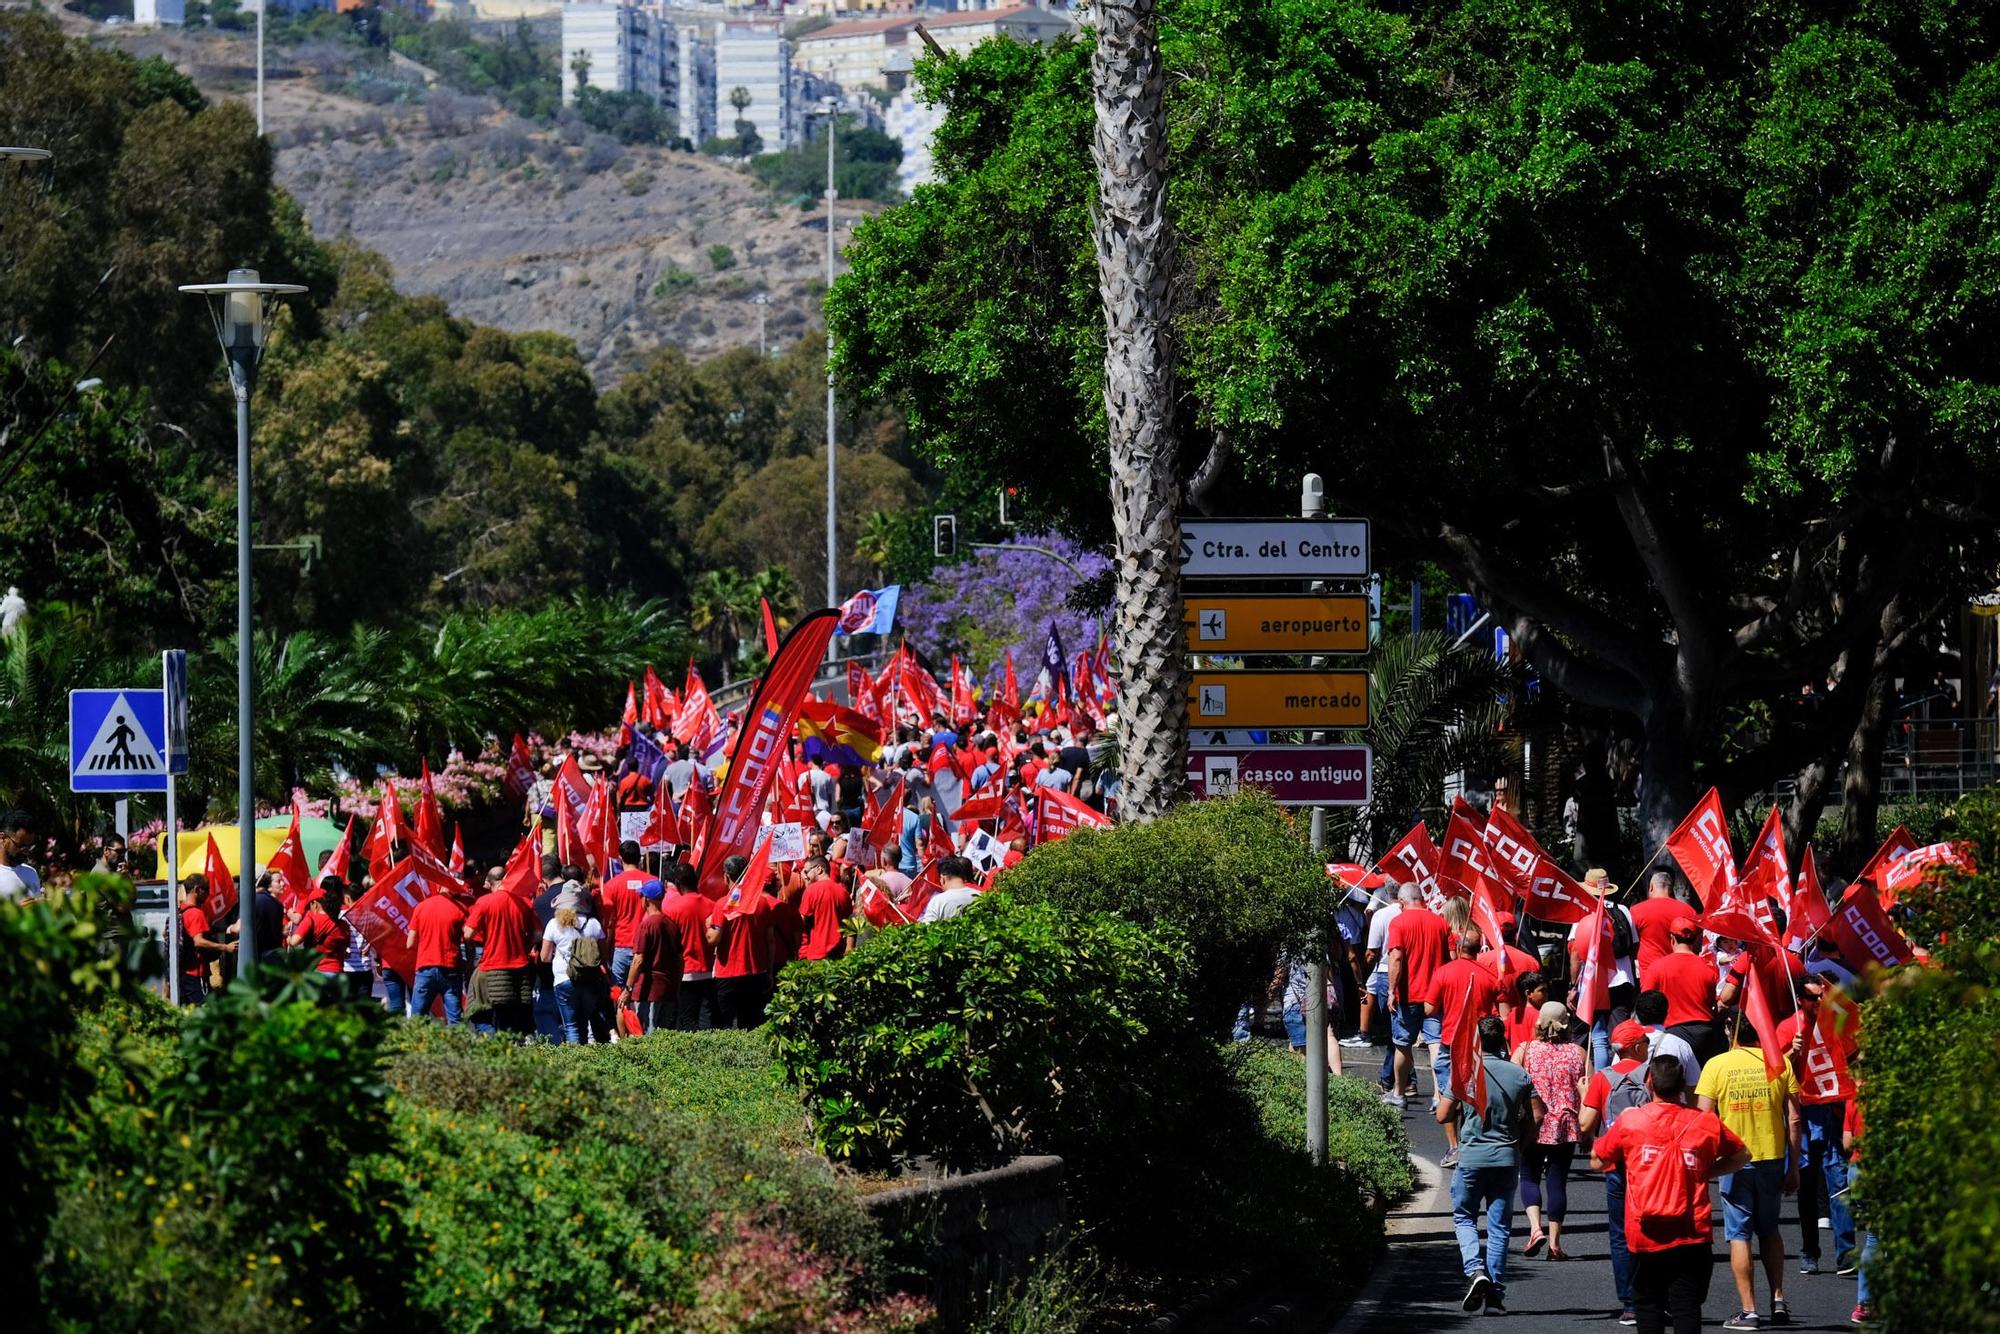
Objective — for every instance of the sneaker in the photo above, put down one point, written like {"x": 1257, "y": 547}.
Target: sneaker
{"x": 1450, "y": 1158}
{"x": 1394, "y": 1100}
{"x": 1781, "y": 1314}
{"x": 1825, "y": 1224}
{"x": 1494, "y": 1305}
{"x": 1848, "y": 1268}
{"x": 1862, "y": 1314}
{"x": 1744, "y": 1320}
{"x": 1475, "y": 1293}
{"x": 1809, "y": 1264}
{"x": 1628, "y": 1317}
{"x": 1356, "y": 1041}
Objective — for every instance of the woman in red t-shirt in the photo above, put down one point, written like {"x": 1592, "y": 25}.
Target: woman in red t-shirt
{"x": 324, "y": 935}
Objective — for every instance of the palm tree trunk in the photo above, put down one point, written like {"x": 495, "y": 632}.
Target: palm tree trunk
{"x": 1133, "y": 271}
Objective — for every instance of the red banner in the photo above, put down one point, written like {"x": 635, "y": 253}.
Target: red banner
{"x": 1757, "y": 1009}
{"x": 221, "y": 888}
{"x": 1462, "y": 860}
{"x": 1061, "y": 815}
{"x": 1701, "y": 846}
{"x": 520, "y": 770}
{"x": 288, "y": 868}
{"x": 1513, "y": 850}
{"x": 767, "y": 728}
{"x": 1415, "y": 859}
{"x": 383, "y": 915}
{"x": 523, "y": 876}
{"x": 1554, "y": 897}
{"x": 1468, "y": 1072}
{"x": 1809, "y": 914}
{"x": 1767, "y": 872}
{"x": 1916, "y": 866}
{"x": 1863, "y": 933}
{"x": 1593, "y": 976}
{"x": 1822, "y": 1066}
{"x": 1894, "y": 848}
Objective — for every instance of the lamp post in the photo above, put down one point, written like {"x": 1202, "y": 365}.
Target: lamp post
{"x": 827, "y": 109}
{"x": 761, "y": 301}
{"x": 237, "y": 307}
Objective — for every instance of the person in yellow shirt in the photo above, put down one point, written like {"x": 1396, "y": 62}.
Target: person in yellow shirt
{"x": 1762, "y": 1110}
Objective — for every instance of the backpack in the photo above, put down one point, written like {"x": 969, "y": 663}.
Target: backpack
{"x": 586, "y": 958}
{"x": 1626, "y": 1090}
{"x": 1622, "y": 941}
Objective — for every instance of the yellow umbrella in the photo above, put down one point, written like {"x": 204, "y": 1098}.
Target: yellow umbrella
{"x": 194, "y": 847}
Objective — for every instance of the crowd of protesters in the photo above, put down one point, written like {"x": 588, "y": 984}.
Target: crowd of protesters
{"x": 1667, "y": 1093}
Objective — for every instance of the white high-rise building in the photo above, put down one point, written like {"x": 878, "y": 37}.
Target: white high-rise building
{"x": 620, "y": 42}
{"x": 154, "y": 13}
{"x": 757, "y": 59}
{"x": 694, "y": 85}
{"x": 912, "y": 123}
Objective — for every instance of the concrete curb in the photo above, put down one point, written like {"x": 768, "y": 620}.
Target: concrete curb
{"x": 1433, "y": 1195}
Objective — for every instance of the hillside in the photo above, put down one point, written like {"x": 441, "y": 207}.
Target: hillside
{"x": 517, "y": 225}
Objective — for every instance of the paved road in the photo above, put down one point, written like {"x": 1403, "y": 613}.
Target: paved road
{"x": 1419, "y": 1284}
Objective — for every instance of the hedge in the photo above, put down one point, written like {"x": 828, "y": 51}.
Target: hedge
{"x": 1235, "y": 879}
{"x": 1929, "y": 1074}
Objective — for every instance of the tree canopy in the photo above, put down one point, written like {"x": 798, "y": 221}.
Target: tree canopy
{"x": 1654, "y": 323}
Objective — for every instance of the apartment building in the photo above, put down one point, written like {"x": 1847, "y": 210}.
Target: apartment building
{"x": 857, "y": 53}
{"x": 618, "y": 48}
{"x": 757, "y": 59}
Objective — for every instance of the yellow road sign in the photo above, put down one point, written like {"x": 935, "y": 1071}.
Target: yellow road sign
{"x": 1307, "y": 700}
{"x": 1227, "y": 624}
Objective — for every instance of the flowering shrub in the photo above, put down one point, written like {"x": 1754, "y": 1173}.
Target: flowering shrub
{"x": 764, "y": 1279}
{"x": 979, "y": 608}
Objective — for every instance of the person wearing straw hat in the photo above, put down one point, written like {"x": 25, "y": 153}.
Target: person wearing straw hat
{"x": 1623, "y": 978}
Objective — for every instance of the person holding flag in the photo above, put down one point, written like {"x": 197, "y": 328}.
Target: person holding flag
{"x": 1819, "y": 1056}
{"x": 1494, "y": 1107}
{"x": 1756, "y": 1098}
{"x": 1456, "y": 988}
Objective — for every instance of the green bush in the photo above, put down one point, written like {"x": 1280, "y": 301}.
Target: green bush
{"x": 721, "y": 257}
{"x": 1363, "y": 1135}
{"x": 1010, "y": 1028}
{"x": 1926, "y": 1166}
{"x": 1235, "y": 878}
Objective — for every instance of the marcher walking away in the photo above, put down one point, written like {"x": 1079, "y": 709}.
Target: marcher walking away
{"x": 1489, "y": 1163}
{"x": 653, "y": 985}
{"x": 1555, "y": 1065}
{"x": 1761, "y": 1110}
{"x": 573, "y": 946}
{"x": 1610, "y": 1094}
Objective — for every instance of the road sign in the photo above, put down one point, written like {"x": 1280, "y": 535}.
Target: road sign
{"x": 1275, "y": 624}
{"x": 117, "y": 740}
{"x": 174, "y": 672}
{"x": 1274, "y": 549}
{"x": 1293, "y": 775}
{"x": 1308, "y": 700}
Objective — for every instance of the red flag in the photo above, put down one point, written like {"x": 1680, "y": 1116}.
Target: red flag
{"x": 1809, "y": 915}
{"x": 697, "y": 814}
{"x": 1767, "y": 873}
{"x": 523, "y": 876}
{"x": 964, "y": 708}
{"x": 1863, "y": 933}
{"x": 1468, "y": 1071}
{"x": 288, "y": 868}
{"x": 1059, "y": 815}
{"x": 1823, "y": 1073}
{"x": 1894, "y": 848}
{"x": 767, "y": 727}
{"x": 379, "y": 846}
{"x": 1415, "y": 859}
{"x": 696, "y": 724}
{"x": 937, "y": 840}
{"x": 221, "y": 886}
{"x": 1701, "y": 845}
{"x": 1463, "y": 859}
{"x": 1919, "y": 864}
{"x": 389, "y": 815}
{"x": 566, "y": 817}
{"x": 592, "y": 824}
{"x": 770, "y": 629}
{"x": 343, "y": 855}
{"x": 879, "y": 908}
{"x": 383, "y": 915}
{"x": 1010, "y": 689}
{"x": 457, "y": 859}
{"x": 1488, "y": 922}
{"x": 430, "y": 815}
{"x": 921, "y": 688}
{"x": 984, "y": 803}
{"x": 1513, "y": 850}
{"x": 1593, "y": 978}
{"x": 520, "y": 779}
{"x": 886, "y": 828}
{"x": 755, "y": 876}
{"x": 656, "y": 702}
{"x": 1554, "y": 897}
{"x": 663, "y": 829}
{"x": 1757, "y": 1009}
{"x": 630, "y": 713}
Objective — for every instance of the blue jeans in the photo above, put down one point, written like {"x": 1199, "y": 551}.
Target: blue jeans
{"x": 578, "y": 1007}
{"x": 1614, "y": 1217}
{"x": 621, "y": 964}
{"x": 1600, "y": 1040}
{"x": 1823, "y": 1179}
{"x": 1492, "y": 1187}
{"x": 393, "y": 997}
{"x": 1867, "y": 1257}
{"x": 431, "y": 983}
{"x": 548, "y": 1019}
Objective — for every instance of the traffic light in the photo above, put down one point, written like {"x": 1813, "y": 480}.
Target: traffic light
{"x": 944, "y": 535}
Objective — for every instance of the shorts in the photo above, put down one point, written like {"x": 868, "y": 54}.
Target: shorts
{"x": 1408, "y": 1022}
{"x": 1295, "y": 1027}
{"x": 1378, "y": 987}
{"x": 1750, "y": 1200}
{"x": 1441, "y": 1070}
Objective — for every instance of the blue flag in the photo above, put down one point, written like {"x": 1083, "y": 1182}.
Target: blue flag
{"x": 872, "y": 611}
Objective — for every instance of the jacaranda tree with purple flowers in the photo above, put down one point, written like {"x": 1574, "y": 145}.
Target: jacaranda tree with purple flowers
{"x": 997, "y": 600}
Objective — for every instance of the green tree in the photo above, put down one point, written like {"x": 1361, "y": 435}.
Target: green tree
{"x": 778, "y": 515}
{"x": 1466, "y": 262}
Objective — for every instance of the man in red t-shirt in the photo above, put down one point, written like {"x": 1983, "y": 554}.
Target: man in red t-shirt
{"x": 740, "y": 936}
{"x": 1687, "y": 980}
{"x": 654, "y": 983}
{"x": 505, "y": 929}
{"x": 1667, "y": 1152}
{"x": 825, "y": 908}
{"x": 694, "y": 1007}
{"x": 1418, "y": 941}
{"x": 1456, "y": 987}
{"x": 435, "y": 927}
{"x": 620, "y": 910}
{"x": 198, "y": 948}
{"x": 1626, "y": 1076}
{"x": 1652, "y": 920}
{"x": 1807, "y": 1038}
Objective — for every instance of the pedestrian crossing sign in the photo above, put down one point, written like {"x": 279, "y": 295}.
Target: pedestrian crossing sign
{"x": 117, "y": 740}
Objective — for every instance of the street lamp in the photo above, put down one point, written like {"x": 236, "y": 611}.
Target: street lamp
{"x": 237, "y": 307}
{"x": 761, "y": 300}
{"x": 827, "y": 108}
{"x": 25, "y": 154}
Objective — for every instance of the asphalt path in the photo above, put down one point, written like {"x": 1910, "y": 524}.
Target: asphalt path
{"x": 1420, "y": 1281}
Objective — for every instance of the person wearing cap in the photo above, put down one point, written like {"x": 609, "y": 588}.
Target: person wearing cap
{"x": 504, "y": 929}
{"x": 1665, "y": 1151}
{"x": 653, "y": 983}
{"x": 1610, "y": 1093}
{"x": 1621, "y": 978}
{"x": 1688, "y": 982}
{"x": 1763, "y": 1112}
{"x": 1651, "y": 1012}
{"x": 577, "y": 988}
{"x": 1555, "y": 1067}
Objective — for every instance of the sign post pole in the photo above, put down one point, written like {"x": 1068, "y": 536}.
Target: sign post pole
{"x": 173, "y": 683}
{"x": 1312, "y": 505}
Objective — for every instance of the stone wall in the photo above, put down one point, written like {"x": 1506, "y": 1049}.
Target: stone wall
{"x": 972, "y": 1232}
